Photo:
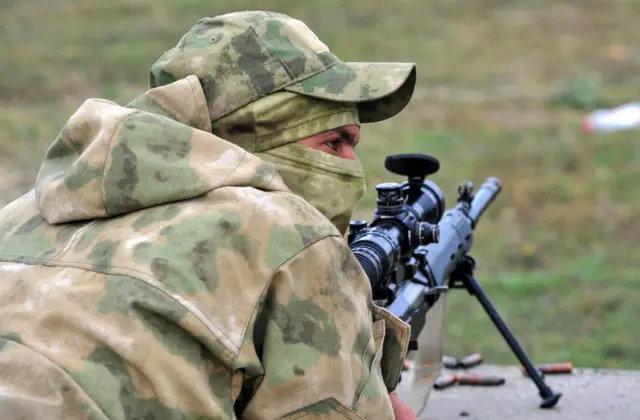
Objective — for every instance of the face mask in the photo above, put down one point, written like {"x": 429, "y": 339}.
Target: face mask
{"x": 331, "y": 184}
{"x": 269, "y": 128}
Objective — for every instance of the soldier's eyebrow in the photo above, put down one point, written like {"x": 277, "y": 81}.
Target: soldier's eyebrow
{"x": 345, "y": 136}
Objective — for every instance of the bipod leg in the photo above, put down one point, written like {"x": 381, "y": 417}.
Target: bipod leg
{"x": 464, "y": 275}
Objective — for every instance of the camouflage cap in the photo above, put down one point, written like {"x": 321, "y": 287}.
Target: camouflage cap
{"x": 243, "y": 56}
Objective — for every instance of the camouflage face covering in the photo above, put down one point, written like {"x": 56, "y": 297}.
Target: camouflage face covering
{"x": 331, "y": 184}
{"x": 282, "y": 118}
{"x": 270, "y": 125}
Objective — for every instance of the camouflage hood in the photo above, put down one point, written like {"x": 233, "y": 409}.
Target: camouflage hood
{"x": 110, "y": 160}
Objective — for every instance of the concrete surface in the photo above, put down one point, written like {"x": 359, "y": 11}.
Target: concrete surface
{"x": 586, "y": 394}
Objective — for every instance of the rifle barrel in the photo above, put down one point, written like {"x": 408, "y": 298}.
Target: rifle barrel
{"x": 485, "y": 195}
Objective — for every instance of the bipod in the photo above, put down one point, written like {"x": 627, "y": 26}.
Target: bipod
{"x": 463, "y": 277}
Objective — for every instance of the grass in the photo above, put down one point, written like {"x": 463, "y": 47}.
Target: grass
{"x": 502, "y": 88}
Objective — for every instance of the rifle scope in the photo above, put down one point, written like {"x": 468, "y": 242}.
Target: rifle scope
{"x": 406, "y": 217}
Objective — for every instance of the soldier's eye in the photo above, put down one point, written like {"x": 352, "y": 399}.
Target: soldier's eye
{"x": 334, "y": 144}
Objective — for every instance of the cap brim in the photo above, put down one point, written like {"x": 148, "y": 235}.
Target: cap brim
{"x": 380, "y": 90}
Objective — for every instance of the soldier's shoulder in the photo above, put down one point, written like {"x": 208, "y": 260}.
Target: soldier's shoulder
{"x": 283, "y": 219}
{"x": 264, "y": 228}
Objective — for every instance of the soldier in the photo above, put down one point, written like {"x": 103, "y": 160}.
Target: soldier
{"x": 183, "y": 256}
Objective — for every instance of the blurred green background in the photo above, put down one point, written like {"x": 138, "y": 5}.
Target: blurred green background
{"x": 502, "y": 89}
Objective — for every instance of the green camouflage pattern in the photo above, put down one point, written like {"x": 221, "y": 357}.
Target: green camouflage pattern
{"x": 243, "y": 56}
{"x": 157, "y": 271}
{"x": 269, "y": 126}
{"x": 312, "y": 174}
{"x": 282, "y": 118}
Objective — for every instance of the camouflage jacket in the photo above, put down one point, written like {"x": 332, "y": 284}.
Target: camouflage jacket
{"x": 158, "y": 271}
